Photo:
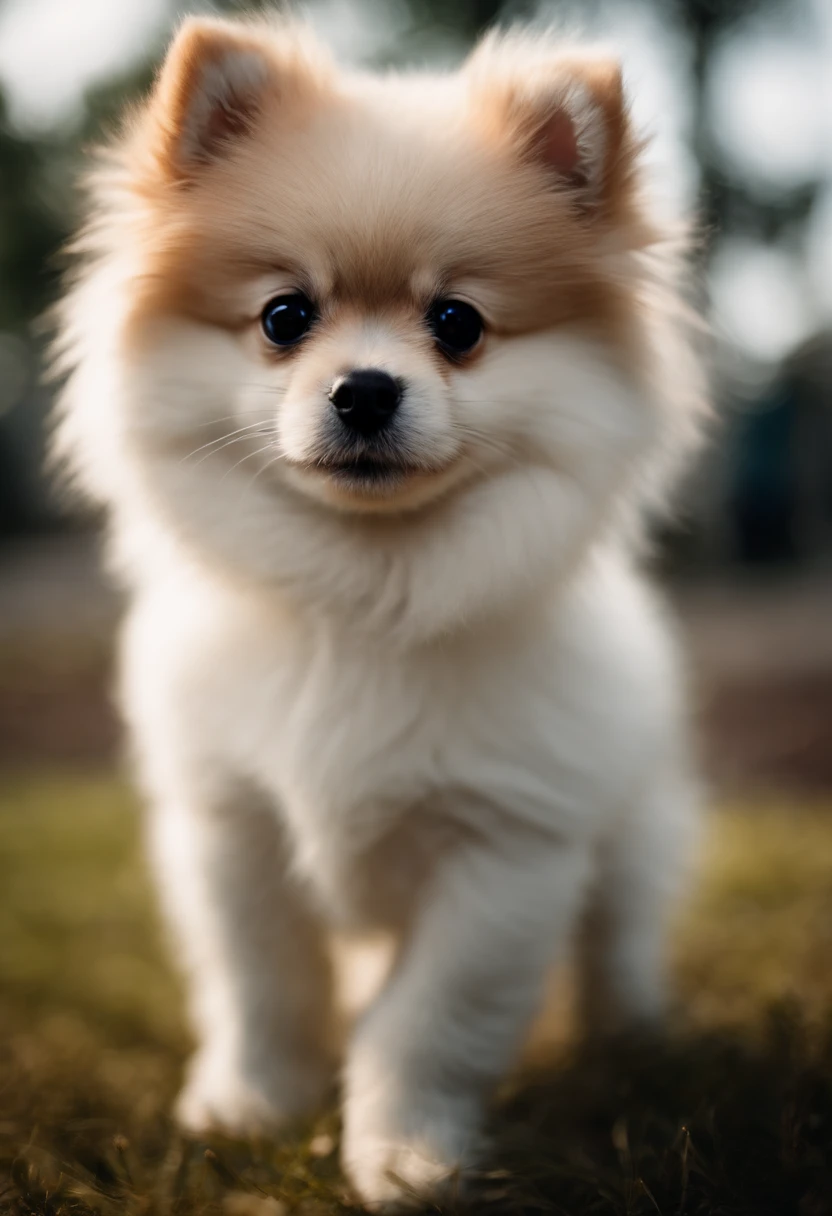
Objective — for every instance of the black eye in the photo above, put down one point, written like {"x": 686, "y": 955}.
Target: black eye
{"x": 457, "y": 326}
{"x": 287, "y": 318}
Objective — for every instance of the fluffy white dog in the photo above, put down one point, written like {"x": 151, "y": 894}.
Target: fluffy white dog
{"x": 375, "y": 377}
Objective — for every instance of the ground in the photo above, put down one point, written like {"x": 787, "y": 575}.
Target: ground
{"x": 731, "y": 1114}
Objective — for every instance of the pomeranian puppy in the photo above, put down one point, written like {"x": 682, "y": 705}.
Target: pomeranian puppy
{"x": 376, "y": 377}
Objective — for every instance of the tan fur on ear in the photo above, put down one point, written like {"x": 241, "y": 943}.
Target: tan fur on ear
{"x": 208, "y": 91}
{"x": 563, "y": 109}
{"x": 214, "y": 82}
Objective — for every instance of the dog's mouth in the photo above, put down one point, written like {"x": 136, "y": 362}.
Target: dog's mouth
{"x": 374, "y": 480}
{"x": 367, "y": 474}
{"x": 368, "y": 471}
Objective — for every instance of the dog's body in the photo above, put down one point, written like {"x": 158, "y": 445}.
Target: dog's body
{"x": 406, "y": 680}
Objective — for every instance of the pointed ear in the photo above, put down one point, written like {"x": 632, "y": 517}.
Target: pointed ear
{"x": 564, "y": 111}
{"x": 210, "y": 89}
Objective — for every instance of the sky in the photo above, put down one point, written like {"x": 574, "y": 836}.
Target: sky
{"x": 770, "y": 94}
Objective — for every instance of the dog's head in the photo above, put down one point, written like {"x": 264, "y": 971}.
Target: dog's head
{"x": 370, "y": 292}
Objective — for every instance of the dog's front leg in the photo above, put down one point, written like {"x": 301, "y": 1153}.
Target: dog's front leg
{"x": 453, "y": 1014}
{"x": 257, "y": 972}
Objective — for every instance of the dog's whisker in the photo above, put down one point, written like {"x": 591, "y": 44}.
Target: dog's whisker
{"x": 276, "y": 458}
{"x": 278, "y": 390}
{"x": 224, "y": 441}
{"x": 264, "y": 416}
{"x": 243, "y": 459}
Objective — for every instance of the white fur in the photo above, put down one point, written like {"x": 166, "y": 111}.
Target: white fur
{"x": 462, "y": 724}
{"x": 470, "y": 793}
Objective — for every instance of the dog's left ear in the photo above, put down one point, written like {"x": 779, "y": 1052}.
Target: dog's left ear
{"x": 565, "y": 111}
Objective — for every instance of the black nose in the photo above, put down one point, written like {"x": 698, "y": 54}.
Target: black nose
{"x": 366, "y": 399}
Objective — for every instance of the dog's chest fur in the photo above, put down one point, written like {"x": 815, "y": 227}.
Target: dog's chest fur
{"x": 380, "y": 762}
{"x": 375, "y": 760}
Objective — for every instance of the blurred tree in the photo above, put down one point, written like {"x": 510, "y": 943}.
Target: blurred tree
{"x": 728, "y": 201}
{"x": 764, "y": 517}
{"x": 31, "y": 227}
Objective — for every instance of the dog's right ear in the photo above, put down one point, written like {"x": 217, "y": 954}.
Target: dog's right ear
{"x": 213, "y": 84}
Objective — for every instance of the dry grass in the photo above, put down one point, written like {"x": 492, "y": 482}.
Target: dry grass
{"x": 732, "y": 1115}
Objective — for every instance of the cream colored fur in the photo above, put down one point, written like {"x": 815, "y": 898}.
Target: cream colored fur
{"x": 451, "y": 712}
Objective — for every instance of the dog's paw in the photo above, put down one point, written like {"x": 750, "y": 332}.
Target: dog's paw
{"x": 395, "y": 1175}
{"x": 218, "y": 1096}
{"x": 395, "y": 1172}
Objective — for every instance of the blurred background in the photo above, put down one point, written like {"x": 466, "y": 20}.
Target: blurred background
{"x": 736, "y": 96}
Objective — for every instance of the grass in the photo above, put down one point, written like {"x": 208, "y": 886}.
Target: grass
{"x": 731, "y": 1115}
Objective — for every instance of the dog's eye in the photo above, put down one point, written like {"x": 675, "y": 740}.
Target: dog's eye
{"x": 457, "y": 326}
{"x": 286, "y": 319}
